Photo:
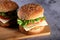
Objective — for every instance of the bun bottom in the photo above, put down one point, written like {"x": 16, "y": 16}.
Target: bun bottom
{"x": 4, "y": 25}
{"x": 35, "y": 30}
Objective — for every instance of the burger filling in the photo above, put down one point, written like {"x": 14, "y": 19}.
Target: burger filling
{"x": 6, "y": 16}
{"x": 29, "y": 24}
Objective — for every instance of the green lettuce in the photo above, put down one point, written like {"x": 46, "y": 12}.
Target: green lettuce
{"x": 25, "y": 22}
{"x": 12, "y": 14}
{"x": 2, "y": 14}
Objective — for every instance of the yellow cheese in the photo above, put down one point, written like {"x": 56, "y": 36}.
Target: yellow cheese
{"x": 3, "y": 21}
{"x": 43, "y": 23}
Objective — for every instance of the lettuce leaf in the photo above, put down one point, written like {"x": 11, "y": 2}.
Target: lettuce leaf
{"x": 25, "y": 22}
{"x": 10, "y": 14}
{"x": 2, "y": 14}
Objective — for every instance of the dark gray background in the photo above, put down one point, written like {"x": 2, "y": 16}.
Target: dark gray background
{"x": 52, "y": 13}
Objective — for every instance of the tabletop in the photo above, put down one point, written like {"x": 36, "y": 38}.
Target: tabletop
{"x": 52, "y": 13}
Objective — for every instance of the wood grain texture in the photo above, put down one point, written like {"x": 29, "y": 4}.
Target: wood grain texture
{"x": 10, "y": 34}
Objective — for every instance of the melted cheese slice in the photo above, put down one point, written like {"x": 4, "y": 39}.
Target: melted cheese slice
{"x": 3, "y": 21}
{"x": 43, "y": 23}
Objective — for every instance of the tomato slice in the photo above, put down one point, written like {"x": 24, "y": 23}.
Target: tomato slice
{"x": 2, "y": 17}
{"x": 41, "y": 20}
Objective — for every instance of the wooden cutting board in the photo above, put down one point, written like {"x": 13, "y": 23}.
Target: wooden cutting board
{"x": 11, "y": 34}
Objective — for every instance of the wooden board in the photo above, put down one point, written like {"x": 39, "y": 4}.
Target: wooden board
{"x": 10, "y": 34}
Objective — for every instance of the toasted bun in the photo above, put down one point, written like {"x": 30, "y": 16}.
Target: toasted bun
{"x": 35, "y": 30}
{"x": 6, "y": 6}
{"x": 30, "y": 11}
{"x": 4, "y": 25}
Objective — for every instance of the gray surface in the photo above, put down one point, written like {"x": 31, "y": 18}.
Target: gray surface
{"x": 52, "y": 13}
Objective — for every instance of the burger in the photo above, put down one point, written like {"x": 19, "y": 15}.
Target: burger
{"x": 8, "y": 13}
{"x": 31, "y": 18}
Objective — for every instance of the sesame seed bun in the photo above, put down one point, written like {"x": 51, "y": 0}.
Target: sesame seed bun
{"x": 30, "y": 11}
{"x": 6, "y": 6}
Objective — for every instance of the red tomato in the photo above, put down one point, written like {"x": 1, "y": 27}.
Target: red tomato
{"x": 41, "y": 20}
{"x": 4, "y": 18}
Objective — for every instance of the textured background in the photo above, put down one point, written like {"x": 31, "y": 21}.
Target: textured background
{"x": 52, "y": 13}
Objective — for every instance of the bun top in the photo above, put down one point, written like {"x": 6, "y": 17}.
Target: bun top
{"x": 30, "y": 11}
{"x": 6, "y": 6}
